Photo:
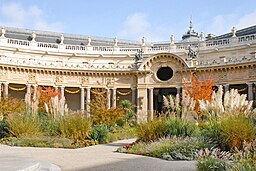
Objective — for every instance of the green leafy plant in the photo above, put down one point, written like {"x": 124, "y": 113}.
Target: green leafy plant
{"x": 211, "y": 164}
{"x": 24, "y": 125}
{"x": 99, "y": 133}
{"x": 75, "y": 126}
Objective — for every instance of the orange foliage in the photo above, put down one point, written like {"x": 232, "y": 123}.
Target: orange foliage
{"x": 11, "y": 105}
{"x": 199, "y": 90}
{"x": 45, "y": 95}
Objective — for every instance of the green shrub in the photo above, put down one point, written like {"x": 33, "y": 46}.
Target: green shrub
{"x": 174, "y": 148}
{"x": 235, "y": 130}
{"x": 75, "y": 126}
{"x": 211, "y": 164}
{"x": 39, "y": 141}
{"x": 24, "y": 125}
{"x": 130, "y": 115}
{"x": 179, "y": 127}
{"x": 211, "y": 134}
{"x": 160, "y": 128}
{"x": 152, "y": 130}
{"x": 123, "y": 133}
{"x": 99, "y": 133}
{"x": 49, "y": 126}
{"x": 4, "y": 129}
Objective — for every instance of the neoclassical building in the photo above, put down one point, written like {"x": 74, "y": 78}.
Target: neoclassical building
{"x": 141, "y": 72}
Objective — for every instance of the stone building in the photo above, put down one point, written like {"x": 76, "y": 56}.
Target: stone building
{"x": 139, "y": 71}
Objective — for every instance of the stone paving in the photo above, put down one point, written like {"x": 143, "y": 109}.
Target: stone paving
{"x": 98, "y": 158}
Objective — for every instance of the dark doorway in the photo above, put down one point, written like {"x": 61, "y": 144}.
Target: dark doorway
{"x": 158, "y": 97}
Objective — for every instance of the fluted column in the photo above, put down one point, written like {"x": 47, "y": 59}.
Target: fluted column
{"x": 108, "y": 97}
{"x": 55, "y": 89}
{"x": 178, "y": 90}
{"x": 88, "y": 101}
{"x": 250, "y": 91}
{"x": 134, "y": 96}
{"x": 82, "y": 99}
{"x": 151, "y": 104}
{"x": 62, "y": 91}
{"x": 226, "y": 87}
{"x": 0, "y": 90}
{"x": 6, "y": 89}
{"x": 28, "y": 92}
{"x": 113, "y": 97}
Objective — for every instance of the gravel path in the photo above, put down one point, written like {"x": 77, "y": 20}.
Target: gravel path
{"x": 98, "y": 158}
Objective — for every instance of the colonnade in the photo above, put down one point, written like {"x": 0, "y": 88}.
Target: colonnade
{"x": 145, "y": 93}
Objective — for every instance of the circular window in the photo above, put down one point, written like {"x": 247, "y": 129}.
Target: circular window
{"x": 164, "y": 73}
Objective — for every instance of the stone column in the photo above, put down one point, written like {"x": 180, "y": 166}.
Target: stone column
{"x": 88, "y": 100}
{"x": 133, "y": 96}
{"x": 178, "y": 90}
{"x": 28, "y": 91}
{"x": 82, "y": 99}
{"x": 108, "y": 98}
{"x": 56, "y": 89}
{"x": 151, "y": 103}
{"x": 113, "y": 97}
{"x": 35, "y": 91}
{"x": 226, "y": 88}
{"x": 6, "y": 89}
{"x": 142, "y": 104}
{"x": 250, "y": 91}
{"x": 62, "y": 91}
{"x": 0, "y": 90}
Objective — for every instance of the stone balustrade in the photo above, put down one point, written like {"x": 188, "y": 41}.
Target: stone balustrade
{"x": 147, "y": 49}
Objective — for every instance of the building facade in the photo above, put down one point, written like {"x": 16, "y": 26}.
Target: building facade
{"x": 141, "y": 72}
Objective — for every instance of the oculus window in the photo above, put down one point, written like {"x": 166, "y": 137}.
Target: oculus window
{"x": 164, "y": 73}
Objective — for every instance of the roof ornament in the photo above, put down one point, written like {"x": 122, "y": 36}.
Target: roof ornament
{"x": 115, "y": 41}
{"x": 33, "y": 36}
{"x": 172, "y": 39}
{"x": 233, "y": 31}
{"x": 138, "y": 58}
{"x": 89, "y": 41}
{"x": 61, "y": 39}
{"x": 143, "y": 41}
{"x": 192, "y": 54}
{"x": 3, "y": 32}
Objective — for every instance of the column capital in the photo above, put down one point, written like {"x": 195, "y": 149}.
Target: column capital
{"x": 250, "y": 84}
{"x": 5, "y": 83}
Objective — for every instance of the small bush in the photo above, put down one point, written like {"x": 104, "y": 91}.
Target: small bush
{"x": 211, "y": 164}
{"x": 160, "y": 128}
{"x": 178, "y": 127}
{"x": 4, "y": 129}
{"x": 49, "y": 125}
{"x": 40, "y": 141}
{"x": 99, "y": 133}
{"x": 175, "y": 148}
{"x": 152, "y": 130}
{"x": 75, "y": 126}
{"x": 24, "y": 125}
{"x": 11, "y": 105}
{"x": 236, "y": 130}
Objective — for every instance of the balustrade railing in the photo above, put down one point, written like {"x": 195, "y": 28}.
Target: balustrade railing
{"x": 111, "y": 49}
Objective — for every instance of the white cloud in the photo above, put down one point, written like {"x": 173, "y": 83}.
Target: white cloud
{"x": 246, "y": 20}
{"x": 138, "y": 25}
{"x": 15, "y": 15}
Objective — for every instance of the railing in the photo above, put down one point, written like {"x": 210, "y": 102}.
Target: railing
{"x": 247, "y": 38}
{"x": 74, "y": 47}
{"x": 18, "y": 42}
{"x": 67, "y": 48}
{"x": 47, "y": 45}
{"x": 217, "y": 42}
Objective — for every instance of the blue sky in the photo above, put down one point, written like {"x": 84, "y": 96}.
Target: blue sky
{"x": 128, "y": 19}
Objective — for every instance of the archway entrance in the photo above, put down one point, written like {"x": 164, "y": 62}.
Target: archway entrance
{"x": 158, "y": 97}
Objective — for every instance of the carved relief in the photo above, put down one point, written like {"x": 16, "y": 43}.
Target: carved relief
{"x": 109, "y": 81}
{"x": 84, "y": 80}
{"x": 59, "y": 79}
{"x": 3, "y": 74}
{"x": 223, "y": 76}
{"x": 252, "y": 73}
{"x": 31, "y": 77}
